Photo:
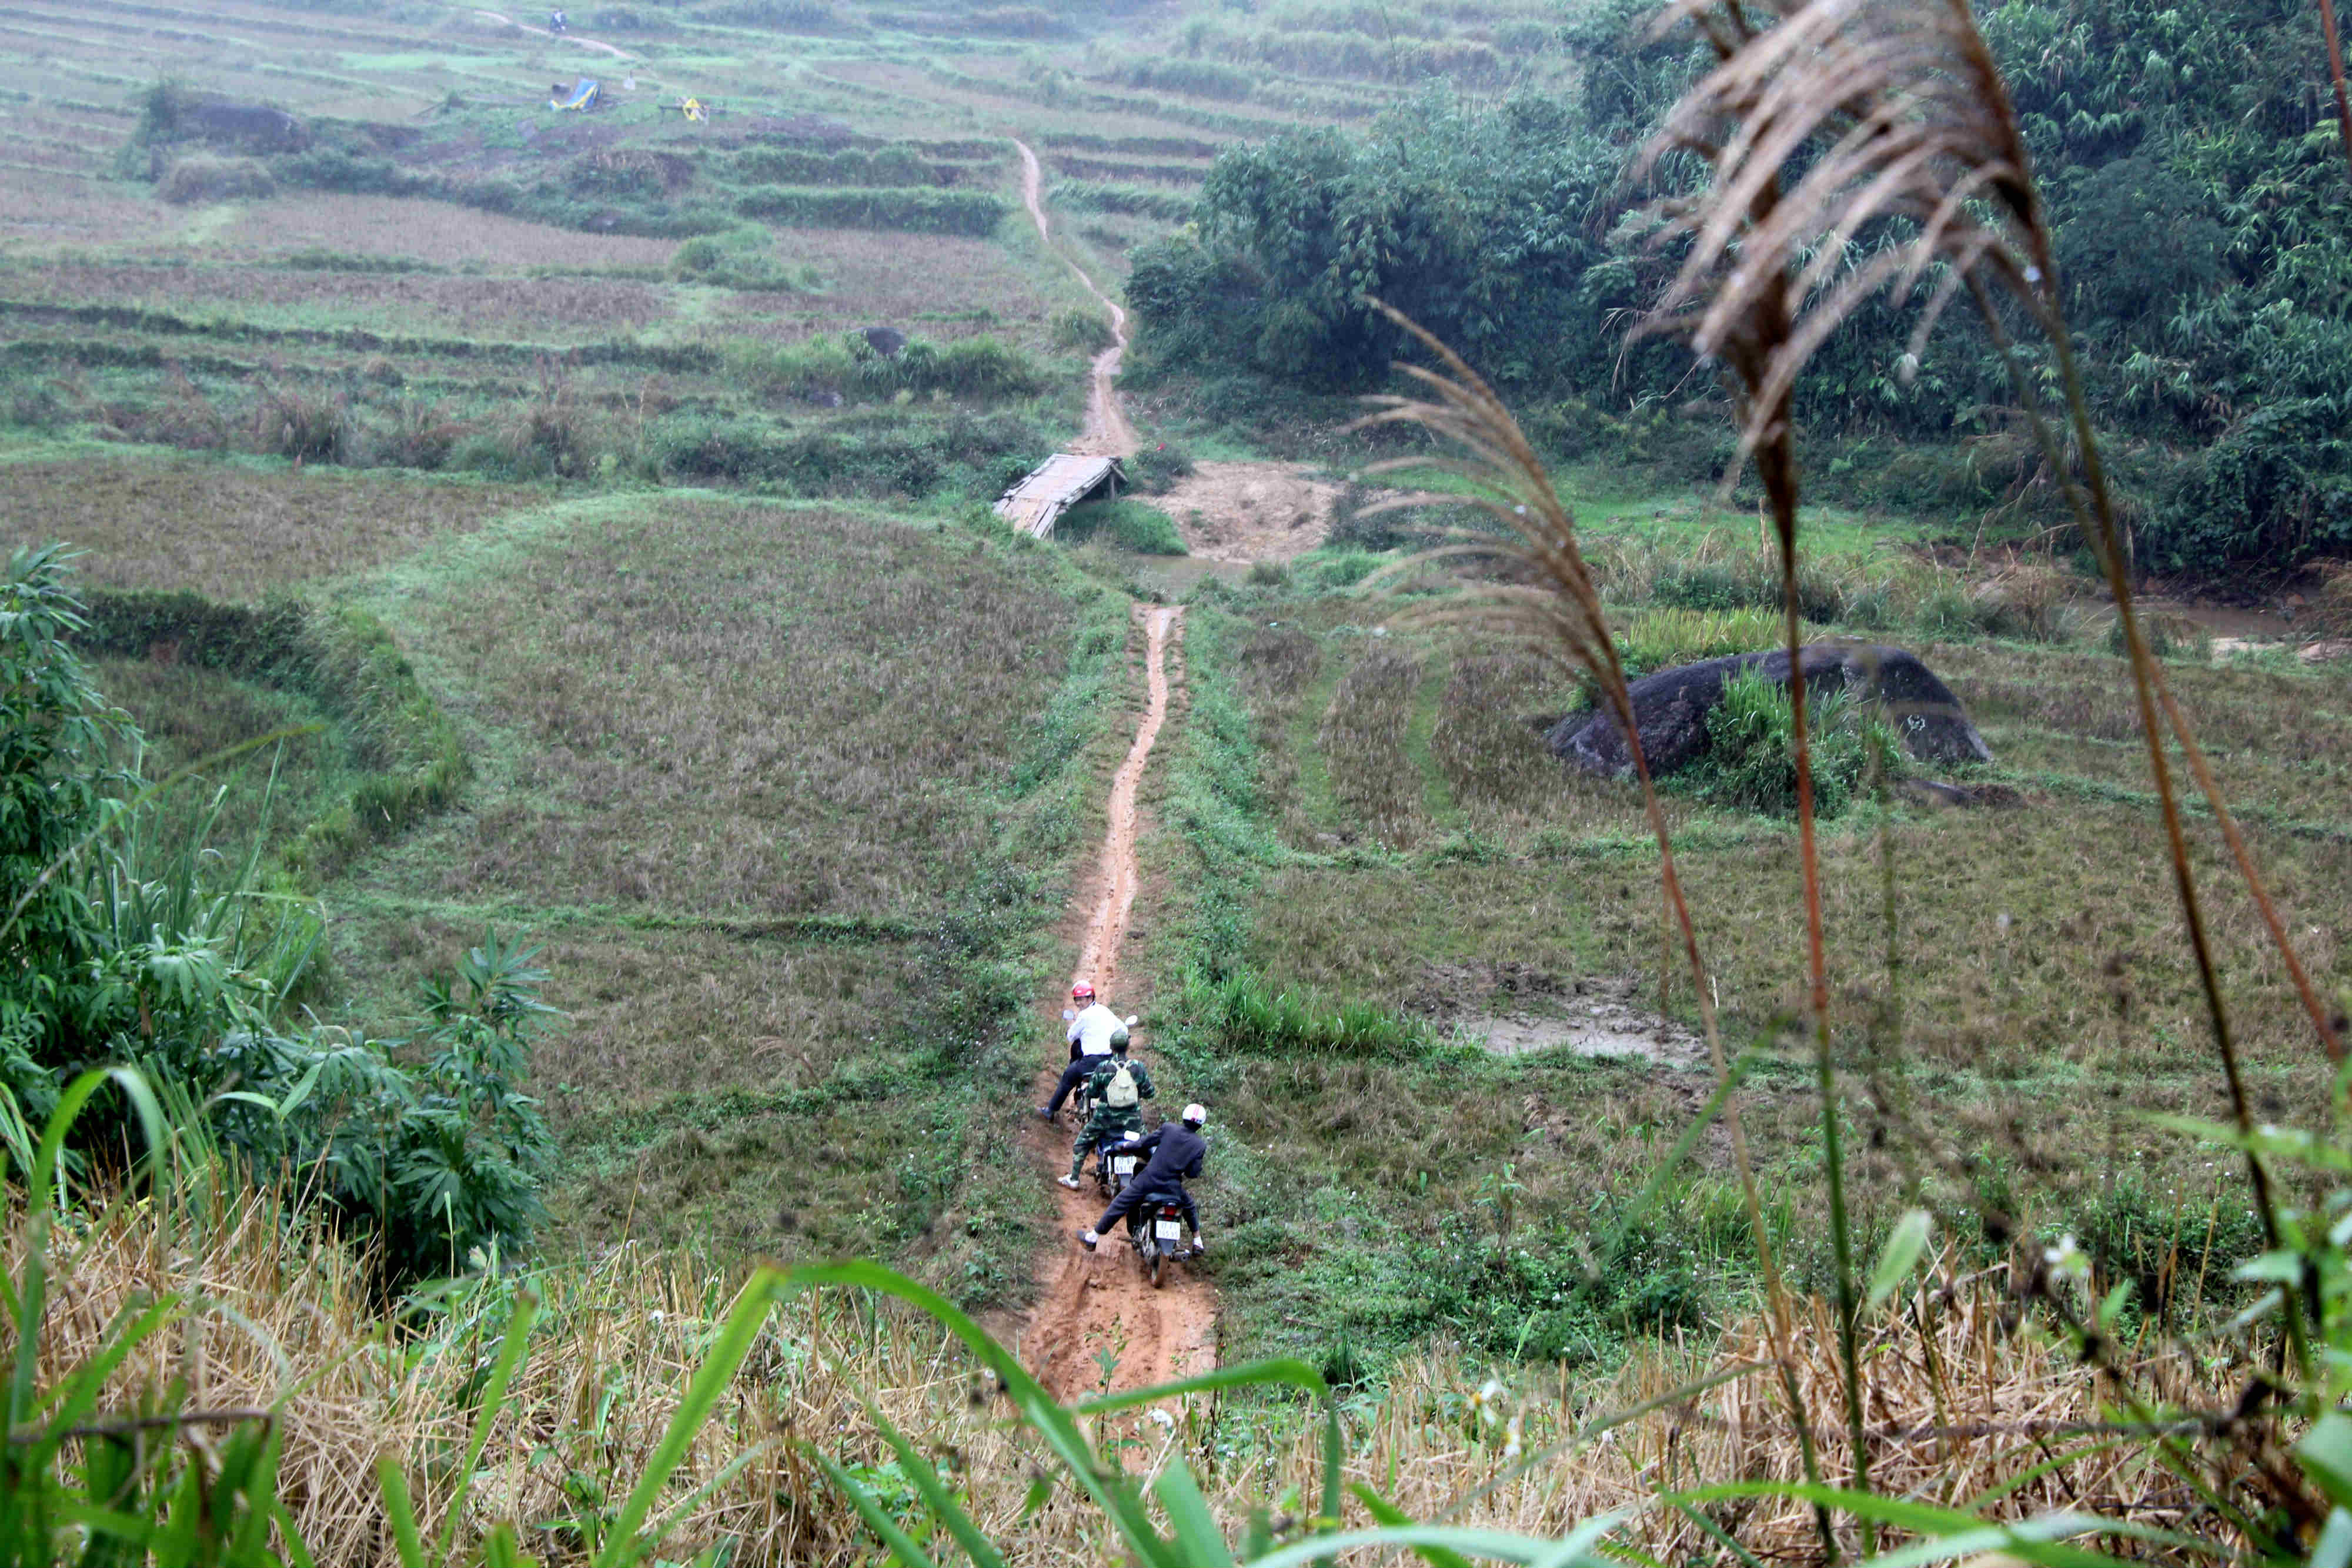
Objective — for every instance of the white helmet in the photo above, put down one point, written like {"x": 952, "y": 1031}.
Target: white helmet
{"x": 1194, "y": 1114}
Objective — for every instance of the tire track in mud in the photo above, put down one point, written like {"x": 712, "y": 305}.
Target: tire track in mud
{"x": 1093, "y": 1304}
{"x": 1102, "y": 1301}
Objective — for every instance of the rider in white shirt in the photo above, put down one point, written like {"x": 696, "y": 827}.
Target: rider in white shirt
{"x": 1090, "y": 1031}
{"x": 1090, "y": 1035}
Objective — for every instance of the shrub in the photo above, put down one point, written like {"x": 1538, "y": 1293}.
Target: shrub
{"x": 742, "y": 258}
{"x": 849, "y": 368}
{"x": 1750, "y": 759}
{"x": 1131, "y": 201}
{"x": 2331, "y": 605}
{"x": 1145, "y": 530}
{"x": 1662, "y": 639}
{"x": 203, "y": 177}
{"x": 1082, "y": 330}
{"x": 1248, "y": 1015}
{"x": 2028, "y": 601}
{"x": 293, "y": 424}
{"x": 1155, "y": 469}
{"x": 1195, "y": 78}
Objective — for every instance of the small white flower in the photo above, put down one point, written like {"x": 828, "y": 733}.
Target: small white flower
{"x": 2032, "y": 274}
{"x": 1163, "y": 1418}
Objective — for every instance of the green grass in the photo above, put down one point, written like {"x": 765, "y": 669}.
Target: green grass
{"x": 2041, "y": 1017}
{"x": 788, "y": 790}
{"x": 1130, "y": 525}
{"x": 188, "y": 714}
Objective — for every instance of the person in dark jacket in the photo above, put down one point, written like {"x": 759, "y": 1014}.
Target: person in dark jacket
{"x": 1177, "y": 1151}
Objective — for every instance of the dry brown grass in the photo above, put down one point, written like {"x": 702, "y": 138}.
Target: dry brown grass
{"x": 91, "y": 213}
{"x": 438, "y": 232}
{"x": 1489, "y": 742}
{"x": 227, "y": 531}
{"x": 1373, "y": 780}
{"x": 749, "y": 709}
{"x": 653, "y": 1013}
{"x": 1964, "y": 1400}
{"x": 897, "y": 279}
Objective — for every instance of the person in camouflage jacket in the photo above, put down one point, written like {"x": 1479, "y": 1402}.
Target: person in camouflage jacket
{"x": 1108, "y": 1122}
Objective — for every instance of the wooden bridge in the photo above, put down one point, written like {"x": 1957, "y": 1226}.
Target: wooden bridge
{"x": 1057, "y": 485}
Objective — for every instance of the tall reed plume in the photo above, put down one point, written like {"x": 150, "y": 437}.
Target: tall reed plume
{"x": 1838, "y": 149}
{"x": 1547, "y": 597}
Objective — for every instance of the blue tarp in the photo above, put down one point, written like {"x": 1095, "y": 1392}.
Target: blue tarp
{"x": 583, "y": 96}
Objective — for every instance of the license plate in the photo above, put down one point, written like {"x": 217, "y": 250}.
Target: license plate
{"x": 1122, "y": 1165}
{"x": 1167, "y": 1229}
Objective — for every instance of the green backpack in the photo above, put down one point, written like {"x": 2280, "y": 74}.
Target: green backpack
{"x": 1119, "y": 1092}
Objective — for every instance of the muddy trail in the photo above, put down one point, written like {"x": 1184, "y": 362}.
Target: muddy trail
{"x": 567, "y": 36}
{"x": 1108, "y": 432}
{"x": 1101, "y": 1303}
{"x": 1098, "y": 1321}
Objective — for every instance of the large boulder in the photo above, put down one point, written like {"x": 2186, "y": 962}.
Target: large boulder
{"x": 249, "y": 127}
{"x": 1671, "y": 707}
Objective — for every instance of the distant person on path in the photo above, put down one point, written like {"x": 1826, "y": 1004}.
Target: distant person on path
{"x": 1118, "y": 1085}
{"x": 1177, "y": 1150}
{"x": 1092, "y": 1030}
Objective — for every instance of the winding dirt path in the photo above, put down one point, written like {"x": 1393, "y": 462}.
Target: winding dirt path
{"x": 1108, "y": 432}
{"x": 1098, "y": 1303}
{"x": 566, "y": 36}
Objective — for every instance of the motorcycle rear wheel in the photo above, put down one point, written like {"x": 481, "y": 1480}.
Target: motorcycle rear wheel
{"x": 1158, "y": 1259}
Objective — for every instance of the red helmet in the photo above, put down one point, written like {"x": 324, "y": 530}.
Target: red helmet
{"x": 1082, "y": 992}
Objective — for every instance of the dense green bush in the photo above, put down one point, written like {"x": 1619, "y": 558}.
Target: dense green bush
{"x": 742, "y": 258}
{"x": 168, "y": 955}
{"x": 1662, "y": 639}
{"x": 1194, "y": 78}
{"x": 1156, "y": 467}
{"x": 1243, "y": 1014}
{"x": 2196, "y": 187}
{"x": 1750, "y": 756}
{"x": 1143, "y": 529}
{"x": 1134, "y": 201}
{"x": 977, "y": 454}
{"x": 1081, "y": 330}
{"x": 894, "y": 165}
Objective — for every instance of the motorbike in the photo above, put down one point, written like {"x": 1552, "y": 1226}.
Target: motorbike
{"x": 1157, "y": 1236}
{"x": 1115, "y": 1164}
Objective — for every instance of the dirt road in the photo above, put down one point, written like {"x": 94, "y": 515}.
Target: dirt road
{"x": 1098, "y": 1303}
{"x": 1108, "y": 432}
{"x": 1098, "y": 1307}
{"x": 567, "y": 37}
